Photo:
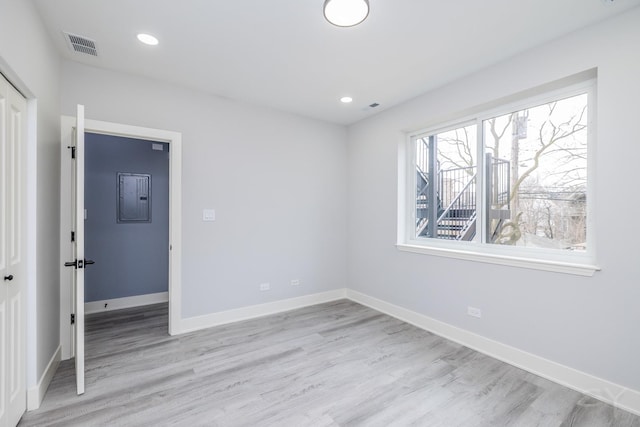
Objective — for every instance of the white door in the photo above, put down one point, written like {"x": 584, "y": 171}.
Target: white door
{"x": 78, "y": 263}
{"x": 13, "y": 398}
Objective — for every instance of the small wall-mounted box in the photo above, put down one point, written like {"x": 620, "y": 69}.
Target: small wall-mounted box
{"x": 208, "y": 215}
{"x": 134, "y": 197}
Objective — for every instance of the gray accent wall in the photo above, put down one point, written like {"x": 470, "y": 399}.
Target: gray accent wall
{"x": 131, "y": 258}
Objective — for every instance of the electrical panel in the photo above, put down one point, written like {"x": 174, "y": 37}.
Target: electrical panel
{"x": 134, "y": 197}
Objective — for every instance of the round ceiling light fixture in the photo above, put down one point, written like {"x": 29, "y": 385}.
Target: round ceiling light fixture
{"x": 346, "y": 99}
{"x": 346, "y": 13}
{"x": 148, "y": 39}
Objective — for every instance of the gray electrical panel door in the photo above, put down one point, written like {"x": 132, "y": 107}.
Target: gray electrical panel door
{"x": 134, "y": 197}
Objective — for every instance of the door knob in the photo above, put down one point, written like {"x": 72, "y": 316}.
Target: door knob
{"x": 9, "y": 277}
{"x": 79, "y": 263}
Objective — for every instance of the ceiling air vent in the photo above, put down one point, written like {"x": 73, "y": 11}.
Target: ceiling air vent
{"x": 371, "y": 106}
{"x": 81, "y": 44}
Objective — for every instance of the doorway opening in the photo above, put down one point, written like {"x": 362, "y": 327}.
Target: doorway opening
{"x": 126, "y": 200}
{"x": 171, "y": 142}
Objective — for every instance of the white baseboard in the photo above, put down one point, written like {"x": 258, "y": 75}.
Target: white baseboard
{"x": 606, "y": 391}
{"x": 220, "y": 318}
{"x": 126, "y": 302}
{"x": 36, "y": 393}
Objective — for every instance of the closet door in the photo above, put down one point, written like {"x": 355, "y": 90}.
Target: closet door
{"x": 12, "y": 229}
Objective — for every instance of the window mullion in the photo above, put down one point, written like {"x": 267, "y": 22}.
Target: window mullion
{"x": 434, "y": 185}
{"x": 411, "y": 216}
{"x": 481, "y": 191}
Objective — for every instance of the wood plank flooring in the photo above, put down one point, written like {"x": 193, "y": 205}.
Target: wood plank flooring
{"x": 333, "y": 364}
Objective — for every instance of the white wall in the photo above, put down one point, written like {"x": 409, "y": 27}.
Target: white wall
{"x": 29, "y": 60}
{"x": 588, "y": 323}
{"x": 276, "y": 181}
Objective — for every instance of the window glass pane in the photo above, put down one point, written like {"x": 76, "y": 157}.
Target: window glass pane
{"x": 537, "y": 176}
{"x": 446, "y": 167}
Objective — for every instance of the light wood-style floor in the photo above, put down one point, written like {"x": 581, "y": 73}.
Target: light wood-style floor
{"x": 334, "y": 364}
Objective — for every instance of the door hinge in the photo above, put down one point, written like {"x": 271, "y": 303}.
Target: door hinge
{"x": 73, "y": 319}
{"x": 73, "y": 152}
{"x": 73, "y": 236}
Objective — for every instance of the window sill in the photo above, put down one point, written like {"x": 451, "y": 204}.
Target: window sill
{"x": 512, "y": 261}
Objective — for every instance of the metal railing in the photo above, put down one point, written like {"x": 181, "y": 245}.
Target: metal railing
{"x": 500, "y": 181}
{"x": 457, "y": 190}
{"x": 454, "y": 215}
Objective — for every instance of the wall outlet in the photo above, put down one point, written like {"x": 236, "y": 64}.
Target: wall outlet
{"x": 295, "y": 282}
{"x": 265, "y": 286}
{"x": 474, "y": 312}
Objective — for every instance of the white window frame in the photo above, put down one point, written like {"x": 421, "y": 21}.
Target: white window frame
{"x": 571, "y": 262}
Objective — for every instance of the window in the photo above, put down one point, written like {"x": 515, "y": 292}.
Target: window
{"x": 507, "y": 184}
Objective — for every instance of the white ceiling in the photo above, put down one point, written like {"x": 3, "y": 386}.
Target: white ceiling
{"x": 283, "y": 54}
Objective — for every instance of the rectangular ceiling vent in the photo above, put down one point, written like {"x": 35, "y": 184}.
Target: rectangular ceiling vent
{"x": 81, "y": 44}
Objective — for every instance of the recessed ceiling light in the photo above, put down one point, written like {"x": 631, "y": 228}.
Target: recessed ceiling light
{"x": 346, "y": 99}
{"x": 147, "y": 39}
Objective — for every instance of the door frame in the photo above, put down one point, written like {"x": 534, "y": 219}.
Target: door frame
{"x": 174, "y": 139}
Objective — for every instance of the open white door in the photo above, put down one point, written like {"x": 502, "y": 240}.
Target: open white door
{"x": 79, "y": 263}
{"x": 79, "y": 250}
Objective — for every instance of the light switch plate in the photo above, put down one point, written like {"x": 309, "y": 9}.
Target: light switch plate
{"x": 208, "y": 215}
